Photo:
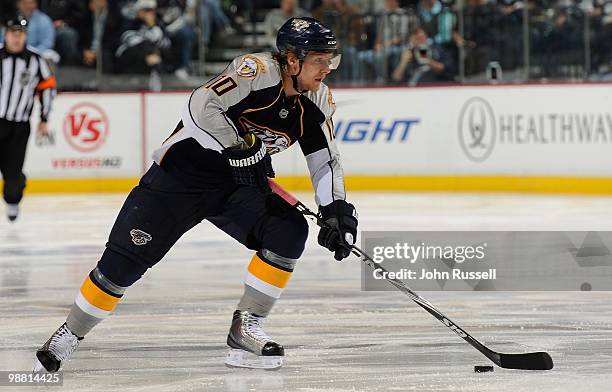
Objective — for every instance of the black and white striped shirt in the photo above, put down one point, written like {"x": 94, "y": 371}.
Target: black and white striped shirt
{"x": 22, "y": 76}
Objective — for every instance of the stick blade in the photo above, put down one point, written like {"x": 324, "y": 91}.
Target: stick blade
{"x": 527, "y": 361}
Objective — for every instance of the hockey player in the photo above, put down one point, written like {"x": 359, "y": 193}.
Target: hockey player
{"x": 215, "y": 166}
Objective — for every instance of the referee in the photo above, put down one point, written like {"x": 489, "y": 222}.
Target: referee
{"x": 23, "y": 74}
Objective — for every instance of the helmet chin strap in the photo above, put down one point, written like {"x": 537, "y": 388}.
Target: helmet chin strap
{"x": 294, "y": 78}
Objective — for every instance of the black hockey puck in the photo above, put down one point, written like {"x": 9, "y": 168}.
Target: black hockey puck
{"x": 483, "y": 369}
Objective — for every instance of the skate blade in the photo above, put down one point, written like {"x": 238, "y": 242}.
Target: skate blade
{"x": 237, "y": 358}
{"x": 38, "y": 367}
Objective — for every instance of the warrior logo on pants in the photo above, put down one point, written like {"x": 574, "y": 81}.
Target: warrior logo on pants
{"x": 139, "y": 237}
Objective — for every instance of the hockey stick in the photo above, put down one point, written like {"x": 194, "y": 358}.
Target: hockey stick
{"x": 526, "y": 361}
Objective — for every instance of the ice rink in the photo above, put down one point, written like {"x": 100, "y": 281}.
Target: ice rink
{"x": 169, "y": 331}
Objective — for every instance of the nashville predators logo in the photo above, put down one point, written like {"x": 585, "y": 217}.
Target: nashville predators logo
{"x": 300, "y": 24}
{"x": 139, "y": 237}
{"x": 249, "y": 67}
{"x": 273, "y": 140}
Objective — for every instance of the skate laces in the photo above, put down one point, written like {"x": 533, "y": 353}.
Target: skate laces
{"x": 63, "y": 343}
{"x": 252, "y": 325}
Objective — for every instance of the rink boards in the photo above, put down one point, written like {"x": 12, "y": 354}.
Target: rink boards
{"x": 553, "y": 138}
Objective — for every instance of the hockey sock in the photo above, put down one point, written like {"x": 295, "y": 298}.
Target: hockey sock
{"x": 266, "y": 277}
{"x": 96, "y": 299}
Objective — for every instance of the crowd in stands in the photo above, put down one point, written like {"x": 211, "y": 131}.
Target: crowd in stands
{"x": 386, "y": 41}
{"x": 131, "y": 36}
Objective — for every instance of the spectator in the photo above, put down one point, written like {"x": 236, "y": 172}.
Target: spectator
{"x": 368, "y": 6}
{"x": 183, "y": 37}
{"x": 437, "y": 21}
{"x": 41, "y": 33}
{"x": 392, "y": 28}
{"x": 310, "y": 5}
{"x": 482, "y": 22}
{"x": 7, "y": 11}
{"x": 602, "y": 44}
{"x": 511, "y": 32}
{"x": 66, "y": 16}
{"x": 562, "y": 44}
{"x": 128, "y": 10}
{"x": 422, "y": 62}
{"x": 276, "y": 18}
{"x": 243, "y": 11}
{"x": 99, "y": 34}
{"x": 344, "y": 19}
{"x": 213, "y": 18}
{"x": 145, "y": 44}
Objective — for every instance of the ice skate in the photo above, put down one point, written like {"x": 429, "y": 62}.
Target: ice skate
{"x": 56, "y": 350}
{"x": 250, "y": 347}
{"x": 12, "y": 212}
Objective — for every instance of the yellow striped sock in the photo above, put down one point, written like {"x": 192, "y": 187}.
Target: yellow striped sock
{"x": 95, "y": 301}
{"x": 266, "y": 277}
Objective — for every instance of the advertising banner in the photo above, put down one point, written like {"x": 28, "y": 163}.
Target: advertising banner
{"x": 461, "y": 131}
{"x": 90, "y": 136}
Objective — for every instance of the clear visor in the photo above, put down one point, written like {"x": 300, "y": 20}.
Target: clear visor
{"x": 331, "y": 63}
{"x": 334, "y": 63}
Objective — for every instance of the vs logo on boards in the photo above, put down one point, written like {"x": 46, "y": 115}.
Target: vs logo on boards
{"x": 86, "y": 127}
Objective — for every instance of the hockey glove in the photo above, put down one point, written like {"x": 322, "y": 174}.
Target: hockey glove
{"x": 341, "y": 229}
{"x": 250, "y": 162}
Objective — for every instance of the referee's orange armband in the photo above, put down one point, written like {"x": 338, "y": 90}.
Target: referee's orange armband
{"x": 47, "y": 84}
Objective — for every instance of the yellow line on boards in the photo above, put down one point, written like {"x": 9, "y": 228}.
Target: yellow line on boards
{"x": 560, "y": 185}
{"x": 81, "y": 185}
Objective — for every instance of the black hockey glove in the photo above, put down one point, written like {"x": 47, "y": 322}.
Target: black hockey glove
{"x": 341, "y": 230}
{"x": 250, "y": 162}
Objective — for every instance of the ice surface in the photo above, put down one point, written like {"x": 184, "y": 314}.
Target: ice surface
{"x": 168, "y": 333}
